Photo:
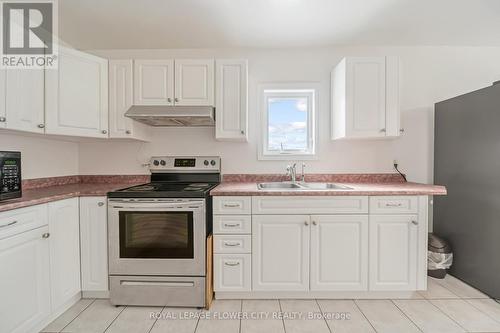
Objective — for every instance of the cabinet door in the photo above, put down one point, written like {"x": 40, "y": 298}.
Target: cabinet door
{"x": 393, "y": 252}
{"x": 194, "y": 82}
{"x": 280, "y": 252}
{"x": 3, "y": 118}
{"x": 120, "y": 98}
{"x": 232, "y": 272}
{"x": 24, "y": 100}
{"x": 365, "y": 97}
{"x": 154, "y": 82}
{"x": 94, "y": 243}
{"x": 339, "y": 252}
{"x": 24, "y": 281}
{"x": 231, "y": 100}
{"x": 77, "y": 95}
{"x": 64, "y": 251}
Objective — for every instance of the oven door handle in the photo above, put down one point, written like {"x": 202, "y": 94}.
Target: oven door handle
{"x": 156, "y": 205}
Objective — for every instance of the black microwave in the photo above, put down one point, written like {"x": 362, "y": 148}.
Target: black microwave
{"x": 10, "y": 175}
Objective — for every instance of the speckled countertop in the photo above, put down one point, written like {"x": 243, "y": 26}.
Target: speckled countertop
{"x": 360, "y": 184}
{"x": 45, "y": 190}
{"x": 372, "y": 189}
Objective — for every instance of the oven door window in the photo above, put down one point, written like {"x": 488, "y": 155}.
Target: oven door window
{"x": 156, "y": 234}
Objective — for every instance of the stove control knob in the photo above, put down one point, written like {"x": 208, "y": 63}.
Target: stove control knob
{"x": 212, "y": 162}
{"x": 156, "y": 162}
{"x": 163, "y": 163}
{"x": 205, "y": 162}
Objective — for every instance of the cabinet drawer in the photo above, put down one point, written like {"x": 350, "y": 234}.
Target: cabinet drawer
{"x": 15, "y": 221}
{"x": 232, "y": 224}
{"x": 394, "y": 205}
{"x": 232, "y": 205}
{"x": 232, "y": 272}
{"x": 310, "y": 205}
{"x": 232, "y": 244}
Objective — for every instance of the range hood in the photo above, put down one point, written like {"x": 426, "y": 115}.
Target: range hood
{"x": 162, "y": 115}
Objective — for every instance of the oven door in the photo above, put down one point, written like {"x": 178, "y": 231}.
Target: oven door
{"x": 156, "y": 237}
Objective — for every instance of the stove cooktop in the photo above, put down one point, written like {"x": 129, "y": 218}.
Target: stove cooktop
{"x": 164, "y": 190}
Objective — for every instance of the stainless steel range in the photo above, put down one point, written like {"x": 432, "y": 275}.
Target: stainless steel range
{"x": 157, "y": 234}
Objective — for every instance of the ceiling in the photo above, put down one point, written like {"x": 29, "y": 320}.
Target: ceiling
{"x": 139, "y": 24}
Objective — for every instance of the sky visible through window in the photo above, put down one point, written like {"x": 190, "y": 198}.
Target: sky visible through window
{"x": 287, "y": 123}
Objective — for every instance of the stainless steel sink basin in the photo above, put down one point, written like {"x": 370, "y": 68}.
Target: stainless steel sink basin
{"x": 325, "y": 186}
{"x": 301, "y": 186}
{"x": 278, "y": 185}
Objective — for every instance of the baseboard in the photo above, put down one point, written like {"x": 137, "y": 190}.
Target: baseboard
{"x": 63, "y": 308}
{"x": 318, "y": 295}
{"x": 95, "y": 294}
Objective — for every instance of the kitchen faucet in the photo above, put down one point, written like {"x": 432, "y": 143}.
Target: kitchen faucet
{"x": 291, "y": 170}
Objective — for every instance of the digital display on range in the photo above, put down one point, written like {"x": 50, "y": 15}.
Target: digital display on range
{"x": 185, "y": 162}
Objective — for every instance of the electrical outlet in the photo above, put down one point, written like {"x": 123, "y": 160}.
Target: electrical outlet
{"x": 395, "y": 162}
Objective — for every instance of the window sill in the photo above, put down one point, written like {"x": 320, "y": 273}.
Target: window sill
{"x": 287, "y": 157}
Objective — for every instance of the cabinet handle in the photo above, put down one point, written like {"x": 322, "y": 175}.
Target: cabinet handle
{"x": 393, "y": 204}
{"x": 232, "y": 205}
{"x": 414, "y": 222}
{"x": 46, "y": 235}
{"x": 3, "y": 119}
{"x": 315, "y": 223}
{"x": 232, "y": 244}
{"x": 231, "y": 263}
{"x": 41, "y": 125}
{"x": 231, "y": 225}
{"x": 128, "y": 132}
{"x": 104, "y": 132}
{"x": 306, "y": 223}
{"x": 401, "y": 130}
{"x": 169, "y": 100}
{"x": 100, "y": 204}
{"x": 8, "y": 224}
{"x": 176, "y": 99}
{"x": 382, "y": 130}
{"x": 242, "y": 132}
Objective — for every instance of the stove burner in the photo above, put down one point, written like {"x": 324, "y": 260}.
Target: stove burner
{"x": 146, "y": 187}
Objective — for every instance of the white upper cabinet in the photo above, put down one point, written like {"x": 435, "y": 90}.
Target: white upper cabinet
{"x": 77, "y": 95}
{"x": 154, "y": 82}
{"x": 280, "y": 252}
{"x": 339, "y": 234}
{"x": 24, "y": 100}
{"x": 393, "y": 252}
{"x": 231, "y": 100}
{"x": 64, "y": 228}
{"x": 120, "y": 100}
{"x": 194, "y": 82}
{"x": 365, "y": 98}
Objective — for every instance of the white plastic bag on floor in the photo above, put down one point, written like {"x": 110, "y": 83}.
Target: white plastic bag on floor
{"x": 439, "y": 260}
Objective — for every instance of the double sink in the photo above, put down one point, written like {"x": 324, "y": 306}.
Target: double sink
{"x": 298, "y": 186}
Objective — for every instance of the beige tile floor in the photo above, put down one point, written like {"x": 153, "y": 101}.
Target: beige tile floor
{"x": 448, "y": 305}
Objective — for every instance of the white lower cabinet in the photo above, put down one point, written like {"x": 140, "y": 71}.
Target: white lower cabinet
{"x": 393, "y": 252}
{"x": 64, "y": 229}
{"x": 280, "y": 253}
{"x": 24, "y": 281}
{"x": 339, "y": 252}
{"x": 320, "y": 246}
{"x": 94, "y": 244}
{"x": 232, "y": 272}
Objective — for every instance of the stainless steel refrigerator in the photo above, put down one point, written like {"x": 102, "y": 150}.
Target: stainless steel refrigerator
{"x": 467, "y": 162}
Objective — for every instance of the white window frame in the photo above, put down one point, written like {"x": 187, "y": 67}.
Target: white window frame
{"x": 284, "y": 90}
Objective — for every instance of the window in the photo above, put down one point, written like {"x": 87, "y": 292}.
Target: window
{"x": 288, "y": 122}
